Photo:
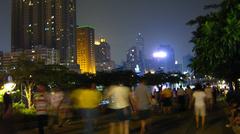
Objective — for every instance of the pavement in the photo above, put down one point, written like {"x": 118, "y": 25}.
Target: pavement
{"x": 177, "y": 123}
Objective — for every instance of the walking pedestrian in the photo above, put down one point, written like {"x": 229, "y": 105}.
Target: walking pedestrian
{"x": 143, "y": 100}
{"x": 7, "y": 117}
{"x": 209, "y": 92}
{"x": 181, "y": 99}
{"x": 189, "y": 93}
{"x": 41, "y": 104}
{"x": 87, "y": 100}
{"x": 120, "y": 97}
{"x": 166, "y": 96}
{"x": 199, "y": 98}
{"x": 55, "y": 101}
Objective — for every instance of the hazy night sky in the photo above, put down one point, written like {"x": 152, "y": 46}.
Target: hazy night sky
{"x": 160, "y": 22}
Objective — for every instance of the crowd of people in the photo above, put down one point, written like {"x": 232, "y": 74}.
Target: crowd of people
{"x": 55, "y": 108}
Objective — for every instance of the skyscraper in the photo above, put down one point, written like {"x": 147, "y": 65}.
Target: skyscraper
{"x": 135, "y": 56}
{"x": 45, "y": 24}
{"x": 132, "y": 62}
{"x": 163, "y": 59}
{"x": 186, "y": 62}
{"x": 103, "y": 56}
{"x": 85, "y": 49}
{"x": 140, "y": 46}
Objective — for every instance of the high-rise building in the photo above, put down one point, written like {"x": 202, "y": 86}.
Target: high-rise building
{"x": 140, "y": 46}
{"x": 132, "y": 62}
{"x": 186, "y": 62}
{"x": 163, "y": 59}
{"x": 135, "y": 56}
{"x": 85, "y": 49}
{"x": 103, "y": 56}
{"x": 45, "y": 24}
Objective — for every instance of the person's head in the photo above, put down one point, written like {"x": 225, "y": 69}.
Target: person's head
{"x": 208, "y": 84}
{"x": 180, "y": 86}
{"x": 142, "y": 80}
{"x": 188, "y": 86}
{"x": 198, "y": 87}
{"x": 41, "y": 88}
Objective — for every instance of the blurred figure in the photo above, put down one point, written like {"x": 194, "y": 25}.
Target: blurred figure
{"x": 41, "y": 104}
{"x": 215, "y": 94}
{"x": 7, "y": 106}
{"x": 189, "y": 93}
{"x": 167, "y": 100}
{"x": 65, "y": 111}
{"x": 55, "y": 101}
{"x": 143, "y": 103}
{"x": 120, "y": 96}
{"x": 209, "y": 97}
{"x": 7, "y": 117}
{"x": 87, "y": 100}
{"x": 181, "y": 98}
{"x": 199, "y": 98}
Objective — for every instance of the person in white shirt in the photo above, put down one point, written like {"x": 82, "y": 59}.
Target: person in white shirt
{"x": 199, "y": 98}
{"x": 120, "y": 97}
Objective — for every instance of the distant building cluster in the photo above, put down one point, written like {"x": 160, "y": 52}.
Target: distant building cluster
{"x": 163, "y": 59}
{"x": 103, "y": 56}
{"x": 46, "y": 31}
{"x": 46, "y": 55}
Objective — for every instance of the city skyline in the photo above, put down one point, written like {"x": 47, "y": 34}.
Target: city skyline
{"x": 161, "y": 22}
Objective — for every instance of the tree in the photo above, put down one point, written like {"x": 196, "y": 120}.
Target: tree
{"x": 22, "y": 72}
{"x": 217, "y": 42}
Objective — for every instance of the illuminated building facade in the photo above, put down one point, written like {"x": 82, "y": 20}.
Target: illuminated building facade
{"x": 140, "y": 46}
{"x": 45, "y": 23}
{"x": 186, "y": 62}
{"x": 103, "y": 56}
{"x": 85, "y": 50}
{"x": 163, "y": 59}
{"x": 133, "y": 59}
{"x": 49, "y": 56}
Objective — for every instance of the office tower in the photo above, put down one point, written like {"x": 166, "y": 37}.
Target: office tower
{"x": 85, "y": 49}
{"x": 132, "y": 62}
{"x": 45, "y": 24}
{"x": 140, "y": 46}
{"x": 103, "y": 56}
{"x": 186, "y": 62}
{"x": 163, "y": 59}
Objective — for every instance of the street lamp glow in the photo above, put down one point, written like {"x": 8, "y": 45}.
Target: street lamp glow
{"x": 9, "y": 86}
{"x": 160, "y": 54}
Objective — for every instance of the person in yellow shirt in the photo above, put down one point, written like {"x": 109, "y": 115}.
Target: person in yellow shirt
{"x": 167, "y": 100}
{"x": 87, "y": 100}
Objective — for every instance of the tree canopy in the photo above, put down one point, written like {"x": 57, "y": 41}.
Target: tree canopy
{"x": 217, "y": 41}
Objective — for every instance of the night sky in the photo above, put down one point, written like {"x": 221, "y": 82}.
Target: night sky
{"x": 160, "y": 22}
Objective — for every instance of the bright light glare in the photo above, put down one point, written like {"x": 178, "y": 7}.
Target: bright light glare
{"x": 9, "y": 86}
{"x": 160, "y": 54}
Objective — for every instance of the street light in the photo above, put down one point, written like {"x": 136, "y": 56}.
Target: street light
{"x": 10, "y": 85}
